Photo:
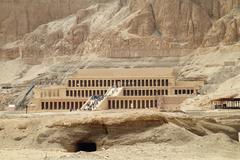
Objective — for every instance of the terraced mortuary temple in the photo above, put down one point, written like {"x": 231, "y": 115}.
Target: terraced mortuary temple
{"x": 102, "y": 89}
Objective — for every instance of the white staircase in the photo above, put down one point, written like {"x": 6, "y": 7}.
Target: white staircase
{"x": 113, "y": 92}
{"x": 96, "y": 101}
{"x": 92, "y": 103}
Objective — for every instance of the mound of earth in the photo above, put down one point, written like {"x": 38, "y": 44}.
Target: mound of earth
{"x": 109, "y": 134}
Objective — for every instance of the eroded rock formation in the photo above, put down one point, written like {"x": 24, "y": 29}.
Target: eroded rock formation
{"x": 119, "y": 28}
{"x": 65, "y": 132}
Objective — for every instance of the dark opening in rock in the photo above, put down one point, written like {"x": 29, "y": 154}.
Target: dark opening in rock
{"x": 86, "y": 147}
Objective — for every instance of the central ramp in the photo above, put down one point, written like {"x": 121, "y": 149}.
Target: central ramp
{"x": 98, "y": 102}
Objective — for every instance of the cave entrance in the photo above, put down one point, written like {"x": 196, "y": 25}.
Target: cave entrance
{"x": 86, "y": 147}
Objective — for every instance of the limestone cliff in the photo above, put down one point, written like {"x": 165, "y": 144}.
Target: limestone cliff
{"x": 20, "y": 17}
{"x": 115, "y": 28}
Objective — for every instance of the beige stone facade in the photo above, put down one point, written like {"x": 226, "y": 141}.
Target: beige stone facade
{"x": 98, "y": 89}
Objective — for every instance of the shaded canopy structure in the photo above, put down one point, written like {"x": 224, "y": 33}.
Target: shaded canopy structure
{"x": 226, "y": 103}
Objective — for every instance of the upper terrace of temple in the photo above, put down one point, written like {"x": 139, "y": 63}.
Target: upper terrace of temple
{"x": 123, "y": 73}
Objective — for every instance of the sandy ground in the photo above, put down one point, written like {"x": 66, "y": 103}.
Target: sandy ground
{"x": 211, "y": 147}
{"x": 194, "y": 151}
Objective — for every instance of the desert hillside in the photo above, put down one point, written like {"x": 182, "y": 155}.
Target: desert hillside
{"x": 48, "y": 40}
{"x": 42, "y": 42}
{"x": 119, "y": 28}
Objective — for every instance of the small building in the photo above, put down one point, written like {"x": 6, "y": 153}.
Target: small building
{"x": 226, "y": 103}
{"x": 102, "y": 89}
{"x": 11, "y": 108}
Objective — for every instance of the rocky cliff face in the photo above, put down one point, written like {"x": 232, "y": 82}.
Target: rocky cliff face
{"x": 118, "y": 28}
{"x": 20, "y": 17}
